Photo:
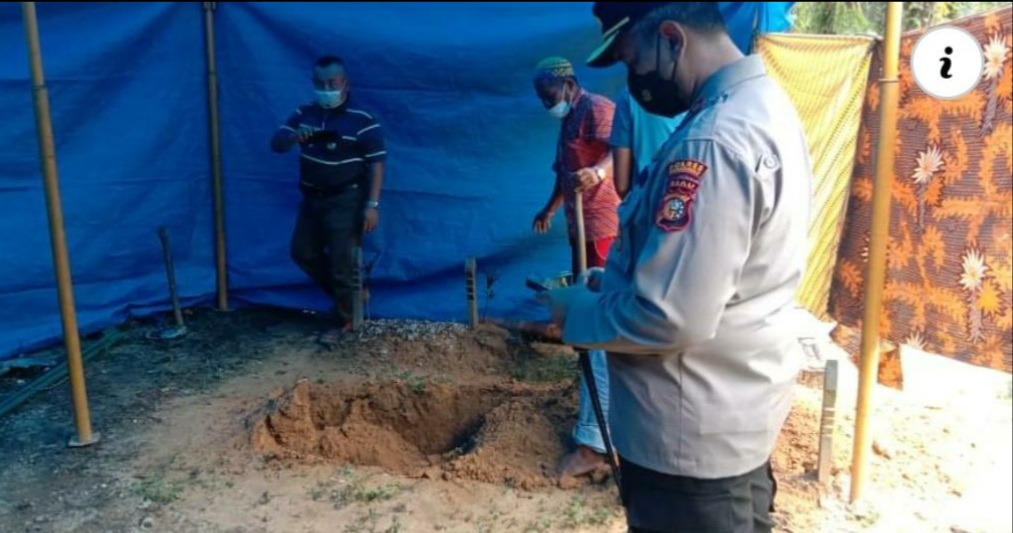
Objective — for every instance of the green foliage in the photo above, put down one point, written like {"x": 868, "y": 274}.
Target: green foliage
{"x": 869, "y": 18}
{"x": 156, "y": 489}
{"x": 831, "y": 18}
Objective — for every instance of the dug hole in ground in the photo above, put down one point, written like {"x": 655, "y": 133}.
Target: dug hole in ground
{"x": 246, "y": 425}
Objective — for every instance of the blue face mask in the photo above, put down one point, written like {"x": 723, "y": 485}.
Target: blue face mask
{"x": 329, "y": 98}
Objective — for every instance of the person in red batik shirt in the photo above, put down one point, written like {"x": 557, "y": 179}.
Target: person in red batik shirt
{"x": 583, "y": 159}
{"x": 583, "y": 166}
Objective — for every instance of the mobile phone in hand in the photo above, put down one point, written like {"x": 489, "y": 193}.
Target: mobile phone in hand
{"x": 324, "y": 136}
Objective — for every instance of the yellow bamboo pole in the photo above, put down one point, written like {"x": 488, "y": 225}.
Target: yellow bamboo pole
{"x": 218, "y": 197}
{"x": 875, "y": 279}
{"x": 57, "y": 235}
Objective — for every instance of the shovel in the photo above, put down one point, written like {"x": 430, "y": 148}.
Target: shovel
{"x": 177, "y": 331}
{"x": 583, "y": 357}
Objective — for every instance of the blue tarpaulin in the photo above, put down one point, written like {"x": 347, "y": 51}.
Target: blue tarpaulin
{"x": 470, "y": 149}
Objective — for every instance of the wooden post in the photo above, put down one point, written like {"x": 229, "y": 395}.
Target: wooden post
{"x": 578, "y": 208}
{"x": 827, "y": 425}
{"x": 217, "y": 194}
{"x": 357, "y": 294}
{"x": 470, "y": 278}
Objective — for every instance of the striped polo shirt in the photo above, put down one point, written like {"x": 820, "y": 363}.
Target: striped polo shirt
{"x": 349, "y": 140}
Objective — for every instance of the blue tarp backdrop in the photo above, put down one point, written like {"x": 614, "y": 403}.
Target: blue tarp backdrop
{"x": 470, "y": 149}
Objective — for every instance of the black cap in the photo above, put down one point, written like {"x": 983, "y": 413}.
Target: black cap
{"x": 615, "y": 19}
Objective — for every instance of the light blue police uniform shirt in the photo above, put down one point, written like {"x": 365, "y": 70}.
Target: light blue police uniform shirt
{"x": 697, "y": 302}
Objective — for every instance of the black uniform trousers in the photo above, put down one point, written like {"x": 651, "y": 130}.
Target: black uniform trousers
{"x": 328, "y": 230}
{"x": 662, "y": 503}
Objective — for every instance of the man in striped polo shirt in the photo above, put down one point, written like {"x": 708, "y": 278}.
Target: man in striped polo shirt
{"x": 583, "y": 165}
{"x": 341, "y": 163}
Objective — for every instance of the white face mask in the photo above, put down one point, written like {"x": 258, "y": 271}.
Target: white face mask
{"x": 561, "y": 109}
{"x": 329, "y": 98}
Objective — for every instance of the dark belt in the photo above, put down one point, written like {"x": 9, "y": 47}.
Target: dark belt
{"x": 315, "y": 191}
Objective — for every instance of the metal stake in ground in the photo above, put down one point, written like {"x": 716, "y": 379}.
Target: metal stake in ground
{"x": 827, "y": 417}
{"x": 470, "y": 275}
{"x": 585, "y": 358}
{"x": 179, "y": 329}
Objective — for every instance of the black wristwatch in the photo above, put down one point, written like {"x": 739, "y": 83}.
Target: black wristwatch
{"x": 373, "y": 204}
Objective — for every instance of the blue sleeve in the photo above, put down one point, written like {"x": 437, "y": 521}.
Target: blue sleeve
{"x": 622, "y": 123}
{"x": 371, "y": 139}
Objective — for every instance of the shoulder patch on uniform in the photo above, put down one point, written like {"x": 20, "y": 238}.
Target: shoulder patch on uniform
{"x": 676, "y": 209}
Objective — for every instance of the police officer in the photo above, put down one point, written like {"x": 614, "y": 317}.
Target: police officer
{"x": 341, "y": 164}
{"x": 695, "y": 301}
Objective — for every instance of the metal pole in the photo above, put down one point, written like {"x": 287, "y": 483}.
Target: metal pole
{"x": 470, "y": 275}
{"x": 56, "y": 375}
{"x": 221, "y": 267}
{"x": 875, "y": 279}
{"x": 57, "y": 236}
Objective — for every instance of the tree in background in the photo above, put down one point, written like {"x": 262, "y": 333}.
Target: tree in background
{"x": 868, "y": 18}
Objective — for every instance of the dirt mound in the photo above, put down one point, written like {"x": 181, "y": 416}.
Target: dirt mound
{"x": 515, "y": 446}
{"x": 431, "y": 349}
{"x": 496, "y": 434}
{"x": 795, "y": 459}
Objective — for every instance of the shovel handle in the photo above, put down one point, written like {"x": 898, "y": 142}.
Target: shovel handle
{"x": 578, "y": 210}
{"x": 170, "y": 272}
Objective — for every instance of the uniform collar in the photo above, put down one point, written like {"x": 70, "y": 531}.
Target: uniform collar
{"x": 727, "y": 77}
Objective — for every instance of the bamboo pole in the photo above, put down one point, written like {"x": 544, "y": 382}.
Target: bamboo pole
{"x": 875, "y": 279}
{"x": 57, "y": 234}
{"x": 221, "y": 265}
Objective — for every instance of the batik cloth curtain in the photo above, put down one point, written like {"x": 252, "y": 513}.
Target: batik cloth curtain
{"x": 949, "y": 277}
{"x": 825, "y": 76}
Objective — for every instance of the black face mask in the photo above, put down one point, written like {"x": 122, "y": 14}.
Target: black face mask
{"x": 655, "y": 94}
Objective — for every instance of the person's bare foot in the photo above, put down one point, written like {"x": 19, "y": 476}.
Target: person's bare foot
{"x": 581, "y": 462}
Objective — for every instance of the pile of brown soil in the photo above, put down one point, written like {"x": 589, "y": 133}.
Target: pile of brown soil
{"x": 497, "y": 434}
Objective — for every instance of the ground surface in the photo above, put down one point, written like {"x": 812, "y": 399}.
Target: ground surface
{"x": 246, "y": 425}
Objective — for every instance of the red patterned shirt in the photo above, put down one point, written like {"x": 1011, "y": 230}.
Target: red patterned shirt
{"x": 583, "y": 143}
